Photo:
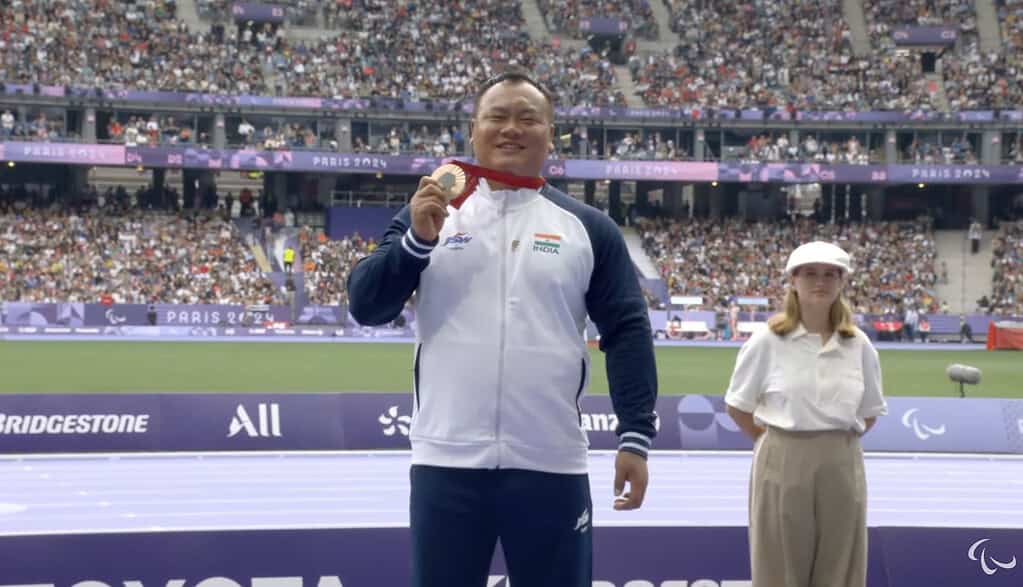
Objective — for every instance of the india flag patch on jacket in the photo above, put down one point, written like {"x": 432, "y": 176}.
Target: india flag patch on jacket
{"x": 547, "y": 243}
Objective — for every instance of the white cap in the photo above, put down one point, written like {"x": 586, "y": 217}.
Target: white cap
{"x": 818, "y": 252}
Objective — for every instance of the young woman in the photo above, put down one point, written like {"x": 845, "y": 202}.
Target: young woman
{"x": 805, "y": 389}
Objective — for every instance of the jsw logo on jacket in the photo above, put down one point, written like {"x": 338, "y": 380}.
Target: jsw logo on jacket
{"x": 501, "y": 359}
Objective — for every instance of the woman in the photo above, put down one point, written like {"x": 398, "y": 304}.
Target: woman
{"x": 805, "y": 389}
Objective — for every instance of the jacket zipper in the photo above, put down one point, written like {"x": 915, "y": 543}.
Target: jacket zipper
{"x": 415, "y": 375}
{"x": 579, "y": 392}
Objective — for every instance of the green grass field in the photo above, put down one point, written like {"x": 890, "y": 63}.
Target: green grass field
{"x": 81, "y": 367}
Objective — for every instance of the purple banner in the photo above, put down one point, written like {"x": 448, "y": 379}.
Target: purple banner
{"x": 258, "y": 12}
{"x": 967, "y": 174}
{"x": 876, "y": 174}
{"x": 29, "y": 89}
{"x": 77, "y": 315}
{"x": 382, "y": 420}
{"x": 31, "y": 423}
{"x": 322, "y": 315}
{"x": 252, "y": 421}
{"x": 117, "y": 315}
{"x": 219, "y": 315}
{"x": 52, "y": 91}
{"x": 198, "y": 158}
{"x": 912, "y": 425}
{"x": 571, "y": 169}
{"x": 924, "y": 35}
{"x": 603, "y": 26}
{"x": 40, "y": 423}
{"x": 28, "y": 314}
{"x": 74, "y": 423}
{"x": 635, "y": 170}
{"x": 14, "y": 89}
{"x": 81, "y": 154}
{"x": 951, "y": 556}
{"x": 893, "y": 116}
{"x": 289, "y": 102}
{"x": 799, "y": 173}
{"x": 352, "y": 557}
{"x": 227, "y": 320}
{"x": 622, "y": 557}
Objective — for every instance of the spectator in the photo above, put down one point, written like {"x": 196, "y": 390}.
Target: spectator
{"x": 975, "y": 234}
{"x": 965, "y": 330}
{"x": 128, "y": 256}
{"x": 709, "y": 259}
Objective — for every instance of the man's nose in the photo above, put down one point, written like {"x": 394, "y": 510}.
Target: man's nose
{"x": 511, "y": 127}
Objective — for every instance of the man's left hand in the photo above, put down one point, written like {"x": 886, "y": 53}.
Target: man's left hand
{"x": 631, "y": 468}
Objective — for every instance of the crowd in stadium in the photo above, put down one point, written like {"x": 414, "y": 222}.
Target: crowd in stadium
{"x": 39, "y": 127}
{"x": 794, "y": 55}
{"x": 422, "y": 140}
{"x": 973, "y": 78}
{"x": 1007, "y": 261}
{"x": 765, "y": 147}
{"x": 53, "y": 254}
{"x": 139, "y": 131}
{"x": 959, "y": 151}
{"x": 564, "y": 15}
{"x": 771, "y": 54}
{"x": 57, "y": 255}
{"x": 327, "y": 264}
{"x": 276, "y": 136}
{"x": 633, "y": 146}
{"x": 724, "y": 259}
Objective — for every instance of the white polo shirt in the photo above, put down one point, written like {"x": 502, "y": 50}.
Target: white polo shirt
{"x": 796, "y": 382}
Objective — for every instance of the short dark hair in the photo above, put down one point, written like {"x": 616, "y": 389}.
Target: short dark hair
{"x": 515, "y": 75}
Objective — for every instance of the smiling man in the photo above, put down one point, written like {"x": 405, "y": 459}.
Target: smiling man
{"x": 498, "y": 451}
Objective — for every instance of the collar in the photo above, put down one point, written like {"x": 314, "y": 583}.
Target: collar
{"x": 831, "y": 344}
{"x": 508, "y": 199}
{"x": 799, "y": 332}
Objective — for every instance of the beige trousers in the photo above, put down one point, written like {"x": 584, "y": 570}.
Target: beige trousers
{"x": 808, "y": 510}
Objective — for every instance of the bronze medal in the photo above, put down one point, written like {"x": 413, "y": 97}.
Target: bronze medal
{"x": 451, "y": 179}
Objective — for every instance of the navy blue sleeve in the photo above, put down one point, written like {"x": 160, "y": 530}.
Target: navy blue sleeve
{"x": 616, "y": 305}
{"x": 381, "y": 283}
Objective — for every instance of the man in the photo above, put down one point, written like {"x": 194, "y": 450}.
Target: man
{"x": 975, "y": 232}
{"x": 497, "y": 447}
{"x": 289, "y": 259}
{"x": 909, "y": 322}
{"x": 965, "y": 330}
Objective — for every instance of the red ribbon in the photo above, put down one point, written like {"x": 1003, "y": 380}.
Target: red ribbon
{"x": 475, "y": 172}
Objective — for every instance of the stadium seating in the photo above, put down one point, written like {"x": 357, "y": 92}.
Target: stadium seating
{"x": 564, "y": 16}
{"x": 1007, "y": 283}
{"x": 723, "y": 260}
{"x": 760, "y": 54}
{"x": 132, "y": 257}
{"x": 327, "y": 263}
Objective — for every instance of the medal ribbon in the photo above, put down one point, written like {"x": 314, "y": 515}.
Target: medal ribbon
{"x": 474, "y": 172}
